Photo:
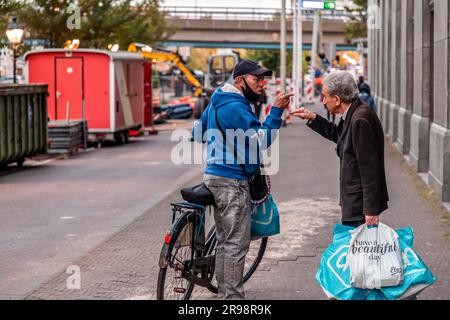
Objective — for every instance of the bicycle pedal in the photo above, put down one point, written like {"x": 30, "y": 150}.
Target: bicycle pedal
{"x": 179, "y": 290}
{"x": 179, "y": 267}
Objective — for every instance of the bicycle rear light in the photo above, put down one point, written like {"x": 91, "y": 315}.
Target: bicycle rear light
{"x": 167, "y": 238}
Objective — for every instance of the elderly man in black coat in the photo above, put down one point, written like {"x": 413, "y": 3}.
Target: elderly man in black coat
{"x": 360, "y": 147}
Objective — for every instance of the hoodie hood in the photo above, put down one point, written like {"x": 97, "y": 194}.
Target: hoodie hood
{"x": 226, "y": 96}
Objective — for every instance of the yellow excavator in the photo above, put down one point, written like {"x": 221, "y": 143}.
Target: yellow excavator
{"x": 167, "y": 56}
{"x": 219, "y": 70}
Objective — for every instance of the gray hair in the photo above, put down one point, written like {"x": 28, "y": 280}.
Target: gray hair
{"x": 343, "y": 85}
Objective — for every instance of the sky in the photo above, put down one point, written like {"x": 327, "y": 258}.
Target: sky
{"x": 237, "y": 3}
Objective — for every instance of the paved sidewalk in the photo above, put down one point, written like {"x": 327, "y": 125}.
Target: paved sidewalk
{"x": 306, "y": 190}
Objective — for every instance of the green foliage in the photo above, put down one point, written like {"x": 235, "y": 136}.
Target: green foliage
{"x": 101, "y": 22}
{"x": 270, "y": 58}
{"x": 6, "y": 8}
{"x": 46, "y": 19}
{"x": 198, "y": 59}
{"x": 357, "y": 28}
{"x": 106, "y": 22}
{"x": 149, "y": 27}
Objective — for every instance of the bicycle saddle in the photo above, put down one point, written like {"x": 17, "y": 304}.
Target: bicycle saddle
{"x": 198, "y": 194}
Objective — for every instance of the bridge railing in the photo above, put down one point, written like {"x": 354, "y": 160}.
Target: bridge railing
{"x": 246, "y": 14}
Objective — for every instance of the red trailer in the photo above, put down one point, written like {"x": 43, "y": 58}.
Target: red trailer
{"x": 105, "y": 88}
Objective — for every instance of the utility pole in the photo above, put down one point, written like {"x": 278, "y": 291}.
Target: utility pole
{"x": 315, "y": 46}
{"x": 14, "y": 64}
{"x": 297, "y": 73}
{"x": 283, "y": 46}
{"x": 294, "y": 79}
{"x": 283, "y": 53}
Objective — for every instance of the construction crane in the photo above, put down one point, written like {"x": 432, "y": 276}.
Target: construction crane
{"x": 166, "y": 55}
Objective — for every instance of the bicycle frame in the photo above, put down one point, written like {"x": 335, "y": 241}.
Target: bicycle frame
{"x": 198, "y": 266}
{"x": 201, "y": 262}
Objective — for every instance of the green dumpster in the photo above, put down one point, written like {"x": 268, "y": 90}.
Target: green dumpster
{"x": 23, "y": 122}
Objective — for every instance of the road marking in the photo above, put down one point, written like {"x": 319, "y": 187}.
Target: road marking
{"x": 71, "y": 235}
{"x": 150, "y": 163}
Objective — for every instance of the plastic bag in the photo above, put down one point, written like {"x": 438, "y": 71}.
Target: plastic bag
{"x": 333, "y": 274}
{"x": 375, "y": 258}
{"x": 417, "y": 277}
{"x": 265, "y": 220}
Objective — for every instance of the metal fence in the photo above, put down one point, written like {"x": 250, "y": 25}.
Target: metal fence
{"x": 247, "y": 14}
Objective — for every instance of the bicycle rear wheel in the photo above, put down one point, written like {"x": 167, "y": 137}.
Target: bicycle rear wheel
{"x": 171, "y": 284}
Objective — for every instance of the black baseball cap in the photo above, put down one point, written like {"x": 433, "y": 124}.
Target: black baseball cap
{"x": 250, "y": 67}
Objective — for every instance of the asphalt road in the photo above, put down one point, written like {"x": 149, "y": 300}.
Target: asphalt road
{"x": 51, "y": 214}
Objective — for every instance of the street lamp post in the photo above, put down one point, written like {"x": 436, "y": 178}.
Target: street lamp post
{"x": 14, "y": 33}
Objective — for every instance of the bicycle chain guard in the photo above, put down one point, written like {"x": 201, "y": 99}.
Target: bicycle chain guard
{"x": 204, "y": 266}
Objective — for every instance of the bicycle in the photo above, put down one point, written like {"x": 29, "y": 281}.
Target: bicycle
{"x": 188, "y": 256}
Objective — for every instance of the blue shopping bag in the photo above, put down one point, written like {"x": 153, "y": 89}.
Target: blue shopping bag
{"x": 265, "y": 219}
{"x": 416, "y": 275}
{"x": 334, "y": 273}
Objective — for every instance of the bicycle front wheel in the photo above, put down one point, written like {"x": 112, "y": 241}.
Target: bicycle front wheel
{"x": 252, "y": 259}
{"x": 171, "y": 284}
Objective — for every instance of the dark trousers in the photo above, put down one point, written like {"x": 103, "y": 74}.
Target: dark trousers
{"x": 354, "y": 224}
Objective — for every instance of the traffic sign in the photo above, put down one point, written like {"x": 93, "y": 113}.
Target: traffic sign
{"x": 318, "y": 4}
{"x": 329, "y": 5}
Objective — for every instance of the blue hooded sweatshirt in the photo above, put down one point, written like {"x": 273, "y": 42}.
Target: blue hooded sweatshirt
{"x": 234, "y": 112}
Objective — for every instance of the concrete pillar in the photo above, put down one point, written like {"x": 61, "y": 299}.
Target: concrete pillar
{"x": 387, "y": 77}
{"x": 407, "y": 77}
{"x": 395, "y": 70}
{"x": 381, "y": 63}
{"x": 420, "y": 123}
{"x": 376, "y": 62}
{"x": 370, "y": 48}
{"x": 385, "y": 66}
{"x": 439, "y": 174}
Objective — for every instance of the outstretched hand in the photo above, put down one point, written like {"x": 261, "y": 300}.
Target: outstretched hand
{"x": 304, "y": 114}
{"x": 283, "y": 100}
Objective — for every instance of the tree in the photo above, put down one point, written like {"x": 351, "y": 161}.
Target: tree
{"x": 198, "y": 59}
{"x": 270, "y": 58}
{"x": 147, "y": 25}
{"x": 7, "y": 7}
{"x": 101, "y": 22}
{"x": 46, "y": 19}
{"x": 357, "y": 28}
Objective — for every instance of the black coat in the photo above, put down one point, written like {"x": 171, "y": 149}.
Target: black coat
{"x": 360, "y": 147}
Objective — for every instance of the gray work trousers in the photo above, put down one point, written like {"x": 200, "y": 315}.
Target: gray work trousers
{"x": 232, "y": 219}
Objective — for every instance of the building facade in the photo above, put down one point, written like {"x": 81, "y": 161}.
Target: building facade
{"x": 409, "y": 71}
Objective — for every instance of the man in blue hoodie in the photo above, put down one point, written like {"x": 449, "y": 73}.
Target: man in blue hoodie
{"x": 231, "y": 163}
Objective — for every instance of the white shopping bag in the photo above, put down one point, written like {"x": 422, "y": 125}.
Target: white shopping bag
{"x": 375, "y": 258}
